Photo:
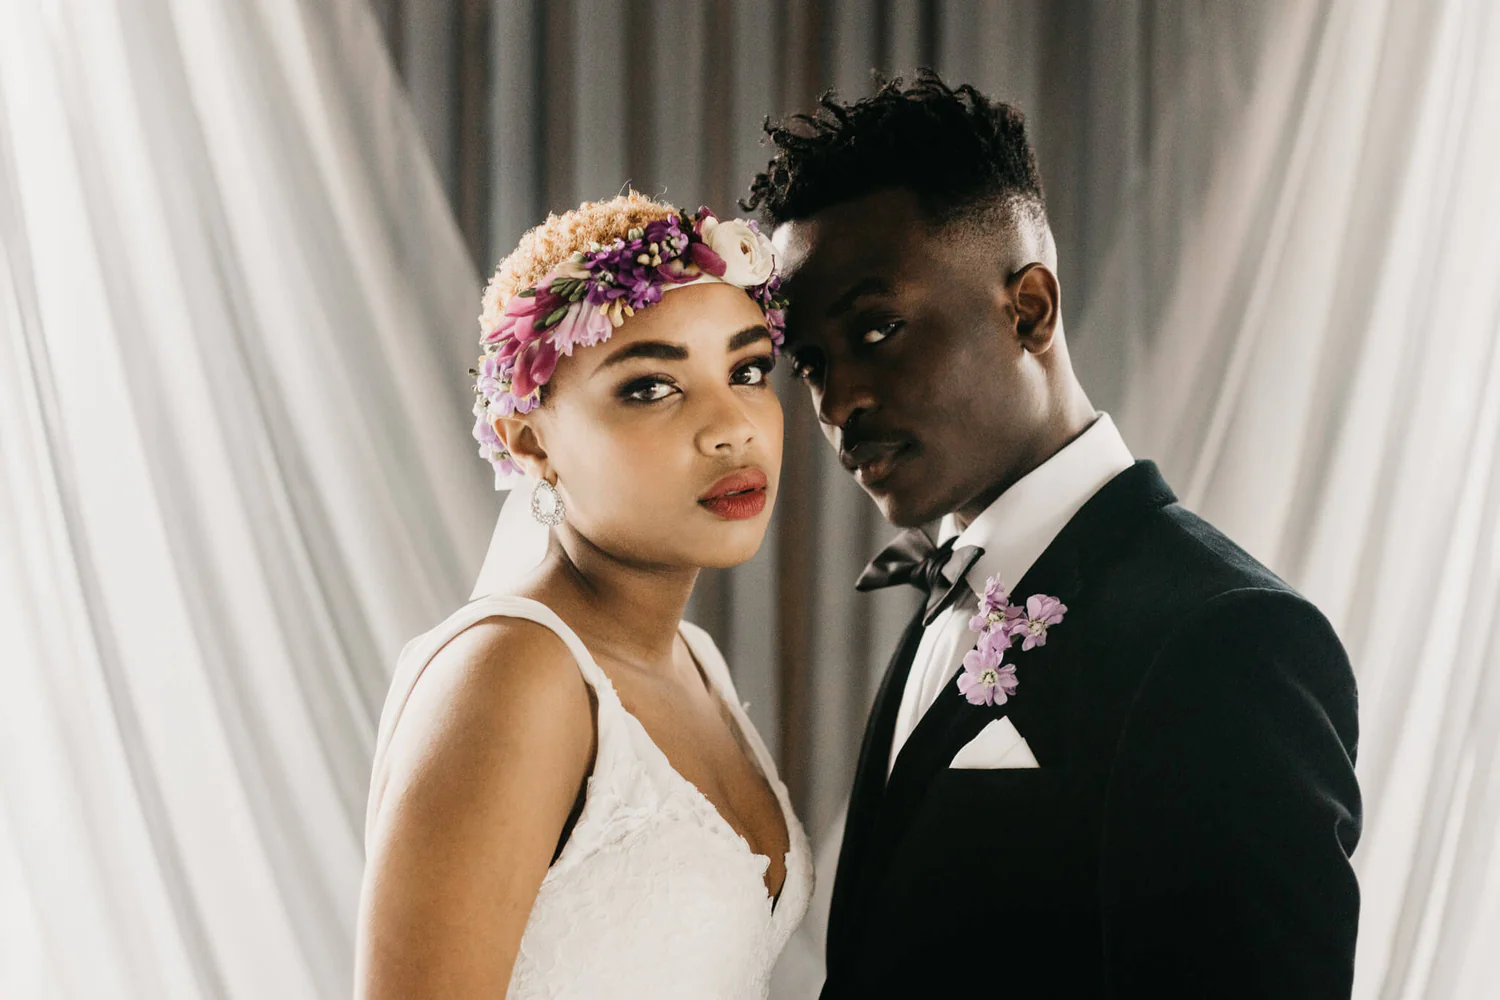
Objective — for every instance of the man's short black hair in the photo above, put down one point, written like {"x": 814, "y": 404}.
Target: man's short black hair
{"x": 961, "y": 153}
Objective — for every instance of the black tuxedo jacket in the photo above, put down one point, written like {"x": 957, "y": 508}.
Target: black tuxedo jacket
{"x": 1188, "y": 831}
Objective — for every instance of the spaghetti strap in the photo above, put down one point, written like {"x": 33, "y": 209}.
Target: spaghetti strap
{"x": 420, "y": 651}
{"x": 654, "y": 893}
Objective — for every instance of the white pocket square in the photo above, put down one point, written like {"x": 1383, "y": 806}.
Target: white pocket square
{"x": 998, "y": 745}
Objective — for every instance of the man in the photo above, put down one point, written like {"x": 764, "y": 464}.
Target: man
{"x": 1140, "y": 781}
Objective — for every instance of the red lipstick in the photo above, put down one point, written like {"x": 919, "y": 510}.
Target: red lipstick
{"x": 738, "y": 496}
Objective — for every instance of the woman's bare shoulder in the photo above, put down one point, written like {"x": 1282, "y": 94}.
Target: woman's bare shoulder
{"x": 484, "y": 767}
{"x": 503, "y": 700}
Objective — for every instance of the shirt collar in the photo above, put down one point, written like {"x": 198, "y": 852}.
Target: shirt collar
{"x": 1021, "y": 522}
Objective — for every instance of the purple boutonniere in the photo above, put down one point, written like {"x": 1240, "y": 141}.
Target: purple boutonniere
{"x": 984, "y": 680}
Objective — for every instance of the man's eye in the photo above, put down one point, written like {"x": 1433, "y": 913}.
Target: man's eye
{"x": 876, "y": 334}
{"x": 804, "y": 365}
{"x": 753, "y": 372}
{"x": 648, "y": 390}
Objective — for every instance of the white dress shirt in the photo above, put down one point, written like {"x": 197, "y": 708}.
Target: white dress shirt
{"x": 1013, "y": 531}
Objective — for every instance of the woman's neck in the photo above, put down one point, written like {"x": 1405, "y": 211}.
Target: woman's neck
{"x": 630, "y": 612}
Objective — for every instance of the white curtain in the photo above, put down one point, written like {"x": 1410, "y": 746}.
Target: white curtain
{"x": 235, "y": 316}
{"x": 1320, "y": 377}
{"x": 234, "y": 469}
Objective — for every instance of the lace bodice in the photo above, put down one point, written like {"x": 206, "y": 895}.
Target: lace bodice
{"x": 654, "y": 893}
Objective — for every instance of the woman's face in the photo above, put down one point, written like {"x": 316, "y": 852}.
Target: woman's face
{"x": 665, "y": 440}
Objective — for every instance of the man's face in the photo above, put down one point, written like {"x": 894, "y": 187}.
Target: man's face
{"x": 906, "y": 340}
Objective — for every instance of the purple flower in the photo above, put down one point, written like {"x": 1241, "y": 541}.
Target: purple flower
{"x": 708, "y": 262}
{"x": 984, "y": 681}
{"x": 998, "y": 638}
{"x": 491, "y": 448}
{"x": 776, "y": 321}
{"x": 997, "y": 617}
{"x": 583, "y": 299}
{"x": 995, "y": 595}
{"x": 667, "y": 237}
{"x": 488, "y": 383}
{"x": 1042, "y": 612}
{"x": 484, "y": 431}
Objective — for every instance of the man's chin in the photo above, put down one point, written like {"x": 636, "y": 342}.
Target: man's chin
{"x": 903, "y": 509}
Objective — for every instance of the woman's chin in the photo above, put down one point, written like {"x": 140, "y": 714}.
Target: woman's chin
{"x": 735, "y": 545}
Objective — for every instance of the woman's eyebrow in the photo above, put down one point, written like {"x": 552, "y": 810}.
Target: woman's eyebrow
{"x": 659, "y": 349}
{"x": 747, "y": 336}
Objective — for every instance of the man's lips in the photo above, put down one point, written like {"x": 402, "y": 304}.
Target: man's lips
{"x": 872, "y": 461}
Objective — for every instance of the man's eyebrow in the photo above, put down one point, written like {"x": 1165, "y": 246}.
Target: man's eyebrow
{"x": 658, "y": 349}
{"x": 866, "y": 286}
{"x": 749, "y": 335}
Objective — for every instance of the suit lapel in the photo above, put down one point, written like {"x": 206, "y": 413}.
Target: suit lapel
{"x": 1038, "y": 708}
{"x": 870, "y": 775}
{"x": 952, "y": 721}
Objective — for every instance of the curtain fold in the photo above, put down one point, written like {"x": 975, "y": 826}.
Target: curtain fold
{"x": 235, "y": 472}
{"x": 236, "y": 315}
{"x": 1321, "y": 382}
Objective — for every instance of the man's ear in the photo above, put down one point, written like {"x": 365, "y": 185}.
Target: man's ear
{"x": 525, "y": 447}
{"x": 1037, "y": 300}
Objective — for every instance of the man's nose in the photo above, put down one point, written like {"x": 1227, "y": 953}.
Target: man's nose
{"x": 845, "y": 391}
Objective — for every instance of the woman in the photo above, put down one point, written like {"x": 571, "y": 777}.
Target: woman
{"x": 567, "y": 798}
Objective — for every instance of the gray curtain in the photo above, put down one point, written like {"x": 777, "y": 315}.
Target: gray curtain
{"x": 530, "y": 107}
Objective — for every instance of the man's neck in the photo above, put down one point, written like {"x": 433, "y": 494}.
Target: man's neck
{"x": 1052, "y": 438}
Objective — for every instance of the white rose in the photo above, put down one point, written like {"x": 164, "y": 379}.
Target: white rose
{"x": 748, "y": 256}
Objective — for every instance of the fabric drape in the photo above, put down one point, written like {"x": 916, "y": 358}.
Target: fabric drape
{"x": 234, "y": 319}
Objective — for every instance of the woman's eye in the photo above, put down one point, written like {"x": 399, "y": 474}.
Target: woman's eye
{"x": 876, "y": 334}
{"x": 753, "y": 373}
{"x": 648, "y": 390}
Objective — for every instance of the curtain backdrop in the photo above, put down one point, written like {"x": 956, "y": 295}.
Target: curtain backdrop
{"x": 237, "y": 293}
{"x": 234, "y": 478}
{"x": 1322, "y": 380}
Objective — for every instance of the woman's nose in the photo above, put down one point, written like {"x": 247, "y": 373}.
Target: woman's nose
{"x": 727, "y": 428}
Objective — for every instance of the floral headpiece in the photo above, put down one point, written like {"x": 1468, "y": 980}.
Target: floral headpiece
{"x": 581, "y": 301}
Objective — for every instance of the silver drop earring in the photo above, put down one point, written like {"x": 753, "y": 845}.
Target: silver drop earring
{"x": 546, "y": 504}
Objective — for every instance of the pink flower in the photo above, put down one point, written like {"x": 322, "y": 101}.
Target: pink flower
{"x": 998, "y": 638}
{"x": 995, "y": 595}
{"x": 1042, "y": 612}
{"x": 997, "y": 617}
{"x": 535, "y": 364}
{"x": 984, "y": 681}
{"x": 583, "y": 326}
{"x": 521, "y": 317}
{"x": 585, "y": 298}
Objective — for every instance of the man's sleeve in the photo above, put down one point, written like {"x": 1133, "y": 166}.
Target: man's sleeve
{"x": 1233, "y": 809}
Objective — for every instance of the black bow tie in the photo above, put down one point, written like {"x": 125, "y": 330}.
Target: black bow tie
{"x": 913, "y": 559}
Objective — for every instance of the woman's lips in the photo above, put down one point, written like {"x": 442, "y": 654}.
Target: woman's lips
{"x": 737, "y": 496}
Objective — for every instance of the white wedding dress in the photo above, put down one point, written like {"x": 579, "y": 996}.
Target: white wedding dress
{"x": 654, "y": 894}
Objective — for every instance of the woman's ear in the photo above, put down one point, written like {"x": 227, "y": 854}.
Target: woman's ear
{"x": 520, "y": 439}
{"x": 1037, "y": 300}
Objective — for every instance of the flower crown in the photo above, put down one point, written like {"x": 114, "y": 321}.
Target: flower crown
{"x": 581, "y": 301}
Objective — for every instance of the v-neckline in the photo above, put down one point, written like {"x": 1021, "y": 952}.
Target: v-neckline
{"x": 744, "y": 740}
